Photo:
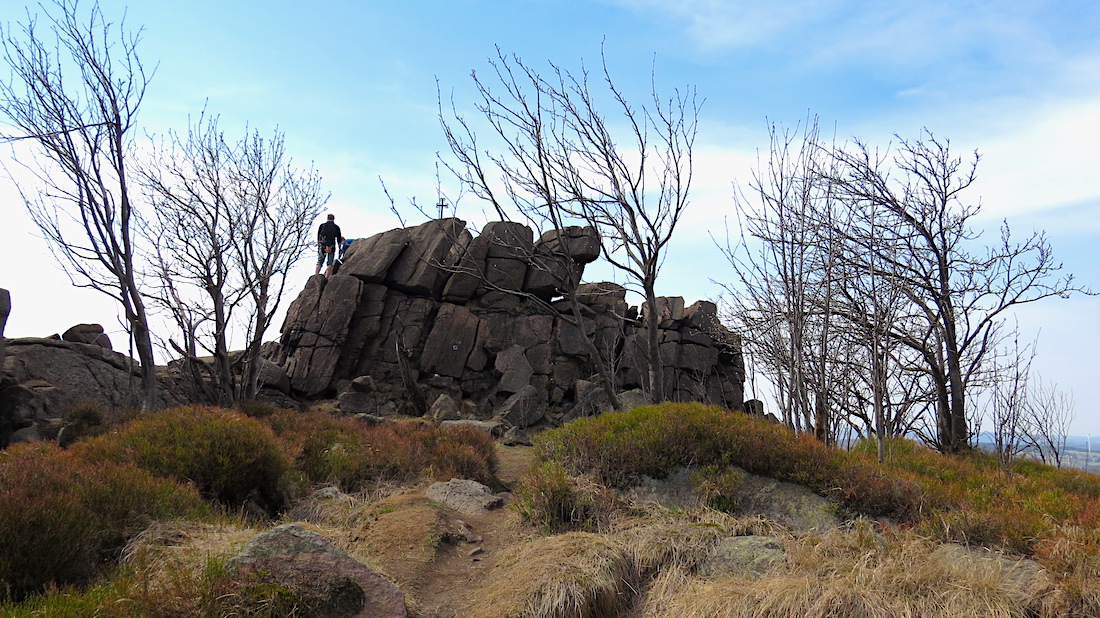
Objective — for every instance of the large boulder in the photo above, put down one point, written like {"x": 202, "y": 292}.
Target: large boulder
{"x": 422, "y": 269}
{"x": 523, "y": 409}
{"x": 327, "y": 582}
{"x": 317, "y": 327}
{"x": 75, "y": 372}
{"x": 450, "y": 341}
{"x": 369, "y": 259}
{"x": 557, "y": 263}
{"x": 464, "y": 495}
{"x": 580, "y": 244}
{"x": 514, "y": 368}
{"x": 46, "y": 379}
{"x": 88, "y": 333}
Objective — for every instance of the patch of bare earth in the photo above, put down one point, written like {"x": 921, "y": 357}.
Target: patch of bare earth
{"x": 449, "y": 587}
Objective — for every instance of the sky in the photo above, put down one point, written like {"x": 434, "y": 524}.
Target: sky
{"x": 355, "y": 87}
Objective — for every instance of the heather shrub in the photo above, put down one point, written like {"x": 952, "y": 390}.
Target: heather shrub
{"x": 83, "y": 418}
{"x": 620, "y": 447}
{"x": 230, "y": 457}
{"x": 257, "y": 409}
{"x": 62, "y": 517}
{"x": 344, "y": 451}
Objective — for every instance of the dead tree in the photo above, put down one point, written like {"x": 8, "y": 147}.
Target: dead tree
{"x": 787, "y": 261}
{"x": 555, "y": 158}
{"x": 1007, "y": 400}
{"x": 1047, "y": 418}
{"x": 231, "y": 220}
{"x": 75, "y": 88}
{"x": 960, "y": 296}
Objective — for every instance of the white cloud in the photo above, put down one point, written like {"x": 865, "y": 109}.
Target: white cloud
{"x": 1047, "y": 159}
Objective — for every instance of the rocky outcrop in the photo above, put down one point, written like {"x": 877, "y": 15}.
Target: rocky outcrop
{"x": 44, "y": 379}
{"x": 327, "y": 582}
{"x": 433, "y": 310}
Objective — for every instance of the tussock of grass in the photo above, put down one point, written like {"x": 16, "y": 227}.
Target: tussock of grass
{"x": 661, "y": 541}
{"x": 178, "y": 568}
{"x": 860, "y": 574}
{"x": 573, "y": 575}
{"x": 552, "y": 500}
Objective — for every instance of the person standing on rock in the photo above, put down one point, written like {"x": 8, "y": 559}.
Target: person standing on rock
{"x": 328, "y": 236}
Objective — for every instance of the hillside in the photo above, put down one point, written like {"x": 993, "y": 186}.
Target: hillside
{"x": 666, "y": 511}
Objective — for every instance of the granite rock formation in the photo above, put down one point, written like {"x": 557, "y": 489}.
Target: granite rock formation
{"x": 419, "y": 312}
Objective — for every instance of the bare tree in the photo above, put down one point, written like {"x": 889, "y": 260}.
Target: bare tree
{"x": 788, "y": 260}
{"x": 960, "y": 295}
{"x": 231, "y": 220}
{"x": 74, "y": 91}
{"x": 1049, "y": 412}
{"x": 1008, "y": 397}
{"x": 861, "y": 291}
{"x": 557, "y": 159}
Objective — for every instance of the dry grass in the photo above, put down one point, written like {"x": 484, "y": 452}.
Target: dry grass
{"x": 573, "y": 575}
{"x": 175, "y": 565}
{"x": 859, "y": 573}
{"x": 661, "y": 540}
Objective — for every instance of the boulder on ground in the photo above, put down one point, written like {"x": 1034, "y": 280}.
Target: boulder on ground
{"x": 326, "y": 581}
{"x": 523, "y": 409}
{"x": 464, "y": 495}
{"x": 444, "y": 408}
{"x": 743, "y": 556}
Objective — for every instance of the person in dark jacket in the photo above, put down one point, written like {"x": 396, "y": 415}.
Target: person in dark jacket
{"x": 328, "y": 236}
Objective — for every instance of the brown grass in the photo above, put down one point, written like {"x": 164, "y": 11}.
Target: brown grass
{"x": 175, "y": 566}
{"x": 860, "y": 573}
{"x": 573, "y": 575}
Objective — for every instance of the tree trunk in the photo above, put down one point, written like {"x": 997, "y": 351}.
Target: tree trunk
{"x": 656, "y": 371}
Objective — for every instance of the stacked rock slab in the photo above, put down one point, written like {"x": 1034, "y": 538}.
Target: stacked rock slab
{"x": 481, "y": 319}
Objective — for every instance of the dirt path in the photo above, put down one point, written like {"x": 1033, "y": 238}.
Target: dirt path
{"x": 450, "y": 587}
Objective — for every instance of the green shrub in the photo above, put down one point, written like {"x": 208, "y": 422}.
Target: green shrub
{"x": 620, "y": 447}
{"x": 351, "y": 454}
{"x": 547, "y": 497}
{"x": 82, "y": 419}
{"x": 230, "y": 457}
{"x": 719, "y": 488}
{"x": 62, "y": 517}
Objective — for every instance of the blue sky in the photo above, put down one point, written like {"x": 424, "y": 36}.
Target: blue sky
{"x": 353, "y": 85}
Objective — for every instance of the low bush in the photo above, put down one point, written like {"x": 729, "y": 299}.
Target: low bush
{"x": 964, "y": 498}
{"x": 230, "y": 457}
{"x": 549, "y": 498}
{"x": 62, "y": 517}
{"x": 353, "y": 455}
{"x": 620, "y": 447}
{"x": 257, "y": 409}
